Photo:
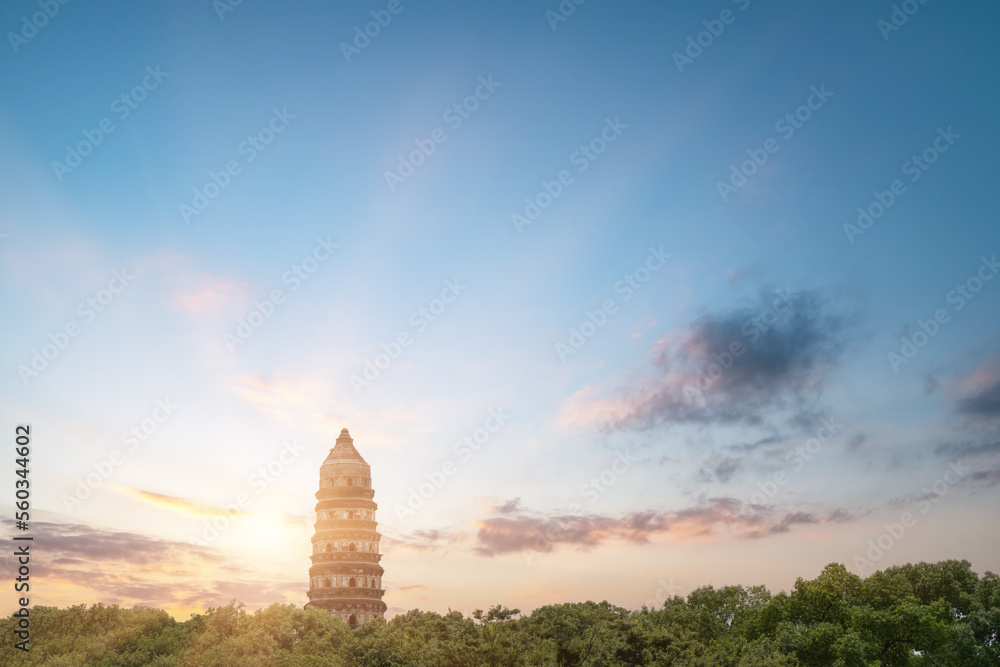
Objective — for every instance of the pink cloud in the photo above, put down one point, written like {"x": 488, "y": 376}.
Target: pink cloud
{"x": 208, "y": 293}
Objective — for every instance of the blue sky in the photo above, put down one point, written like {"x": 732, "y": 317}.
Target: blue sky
{"x": 519, "y": 519}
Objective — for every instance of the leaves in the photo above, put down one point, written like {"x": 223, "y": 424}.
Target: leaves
{"x": 915, "y": 614}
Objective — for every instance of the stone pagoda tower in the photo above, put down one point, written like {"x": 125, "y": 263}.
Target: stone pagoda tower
{"x": 346, "y": 578}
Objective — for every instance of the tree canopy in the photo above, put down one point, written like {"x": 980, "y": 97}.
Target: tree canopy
{"x": 939, "y": 614}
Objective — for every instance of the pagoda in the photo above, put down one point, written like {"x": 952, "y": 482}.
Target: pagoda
{"x": 345, "y": 578}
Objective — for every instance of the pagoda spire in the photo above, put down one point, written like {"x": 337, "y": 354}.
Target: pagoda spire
{"x": 344, "y": 450}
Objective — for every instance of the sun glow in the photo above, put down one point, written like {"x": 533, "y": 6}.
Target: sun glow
{"x": 265, "y": 528}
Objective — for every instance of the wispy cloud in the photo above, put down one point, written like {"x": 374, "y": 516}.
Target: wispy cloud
{"x": 423, "y": 540}
{"x": 207, "y": 293}
{"x": 172, "y": 503}
{"x": 290, "y": 400}
{"x": 198, "y": 510}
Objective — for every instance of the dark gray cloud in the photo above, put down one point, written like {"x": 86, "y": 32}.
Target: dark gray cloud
{"x": 757, "y": 444}
{"x": 931, "y": 382}
{"x": 990, "y": 477}
{"x": 856, "y": 442}
{"x": 737, "y": 366}
{"x": 986, "y": 444}
{"x": 984, "y": 403}
{"x": 720, "y": 469}
{"x": 508, "y": 507}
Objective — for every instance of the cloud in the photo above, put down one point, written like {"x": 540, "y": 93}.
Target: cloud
{"x": 970, "y": 447}
{"x": 758, "y": 443}
{"x": 982, "y": 389}
{"x": 199, "y": 511}
{"x": 206, "y": 293}
{"x": 508, "y": 507}
{"x": 90, "y": 564}
{"x": 987, "y": 478}
{"x": 421, "y": 540}
{"x": 304, "y": 401}
{"x": 856, "y": 442}
{"x": 931, "y": 382}
{"x": 506, "y": 534}
{"x": 979, "y": 402}
{"x": 175, "y": 504}
{"x": 393, "y": 612}
{"x": 734, "y": 367}
{"x": 720, "y": 469}
{"x": 287, "y": 400}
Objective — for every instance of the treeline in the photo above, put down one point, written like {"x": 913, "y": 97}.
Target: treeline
{"x": 924, "y": 614}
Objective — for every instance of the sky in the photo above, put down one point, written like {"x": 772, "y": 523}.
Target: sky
{"x": 617, "y": 299}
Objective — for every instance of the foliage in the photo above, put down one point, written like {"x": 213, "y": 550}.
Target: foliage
{"x": 923, "y": 614}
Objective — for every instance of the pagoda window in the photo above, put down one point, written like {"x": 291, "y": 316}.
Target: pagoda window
{"x": 351, "y": 583}
{"x": 352, "y": 547}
